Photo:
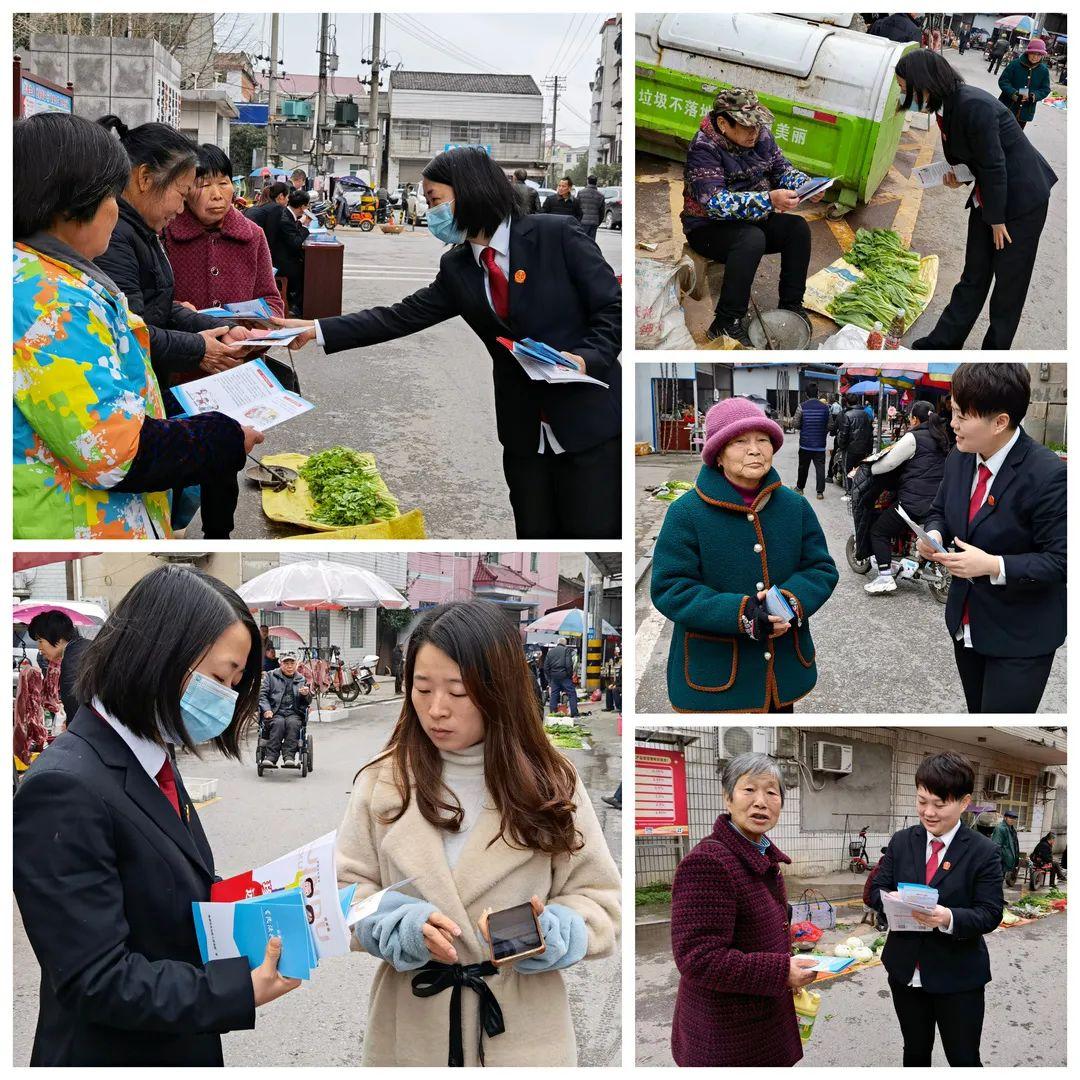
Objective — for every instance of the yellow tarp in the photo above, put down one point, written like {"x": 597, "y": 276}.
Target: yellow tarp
{"x": 836, "y": 278}
{"x": 296, "y": 507}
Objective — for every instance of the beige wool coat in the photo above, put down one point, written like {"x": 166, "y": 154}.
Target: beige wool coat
{"x": 403, "y": 1029}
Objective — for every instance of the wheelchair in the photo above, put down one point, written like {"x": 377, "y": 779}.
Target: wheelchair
{"x": 305, "y": 748}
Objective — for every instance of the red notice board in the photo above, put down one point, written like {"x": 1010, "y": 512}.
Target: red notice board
{"x": 660, "y": 793}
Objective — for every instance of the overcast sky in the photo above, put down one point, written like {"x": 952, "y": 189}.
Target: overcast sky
{"x": 535, "y": 44}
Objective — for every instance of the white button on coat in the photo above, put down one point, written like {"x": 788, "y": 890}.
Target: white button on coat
{"x": 749, "y": 517}
{"x": 768, "y": 656}
{"x": 760, "y": 585}
{"x": 757, "y": 548}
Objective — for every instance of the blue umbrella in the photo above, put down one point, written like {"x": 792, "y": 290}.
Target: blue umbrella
{"x": 868, "y": 387}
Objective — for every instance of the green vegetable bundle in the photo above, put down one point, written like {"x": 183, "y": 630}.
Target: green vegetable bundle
{"x": 890, "y": 284}
{"x": 346, "y": 488}
{"x": 880, "y": 249}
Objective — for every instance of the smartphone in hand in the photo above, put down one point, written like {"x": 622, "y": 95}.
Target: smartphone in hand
{"x": 514, "y": 933}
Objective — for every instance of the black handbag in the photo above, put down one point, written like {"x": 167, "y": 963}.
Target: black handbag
{"x": 284, "y": 373}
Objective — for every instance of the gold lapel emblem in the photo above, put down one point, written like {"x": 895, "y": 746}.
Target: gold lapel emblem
{"x": 945, "y": 865}
{"x": 519, "y": 277}
{"x": 990, "y": 500}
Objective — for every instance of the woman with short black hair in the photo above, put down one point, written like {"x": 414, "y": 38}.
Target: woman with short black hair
{"x": 162, "y": 163}
{"x": 514, "y": 276}
{"x": 1008, "y": 201}
{"x": 103, "y": 466}
{"x": 109, "y": 851}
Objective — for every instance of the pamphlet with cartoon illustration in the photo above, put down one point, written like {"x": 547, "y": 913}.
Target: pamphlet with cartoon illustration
{"x": 249, "y": 394}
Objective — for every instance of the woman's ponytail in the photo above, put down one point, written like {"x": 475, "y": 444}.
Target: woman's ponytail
{"x": 924, "y": 413}
{"x": 114, "y": 124}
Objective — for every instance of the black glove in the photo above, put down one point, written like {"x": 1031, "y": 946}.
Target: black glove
{"x": 755, "y": 619}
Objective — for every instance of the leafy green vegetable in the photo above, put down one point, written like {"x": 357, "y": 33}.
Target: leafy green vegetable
{"x": 891, "y": 282}
{"x": 346, "y": 488}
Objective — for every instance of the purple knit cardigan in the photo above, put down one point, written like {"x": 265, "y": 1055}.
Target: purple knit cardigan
{"x": 729, "y": 937}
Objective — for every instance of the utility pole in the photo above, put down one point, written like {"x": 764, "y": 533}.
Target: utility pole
{"x": 272, "y": 109}
{"x": 320, "y": 122}
{"x": 374, "y": 150}
{"x": 555, "y": 83}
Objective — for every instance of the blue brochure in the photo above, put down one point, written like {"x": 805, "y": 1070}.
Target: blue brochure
{"x": 776, "y": 604}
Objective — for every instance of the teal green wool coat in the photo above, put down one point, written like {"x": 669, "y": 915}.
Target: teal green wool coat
{"x": 712, "y": 554}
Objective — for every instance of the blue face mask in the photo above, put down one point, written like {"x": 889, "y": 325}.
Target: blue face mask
{"x": 440, "y": 223}
{"x": 207, "y": 708}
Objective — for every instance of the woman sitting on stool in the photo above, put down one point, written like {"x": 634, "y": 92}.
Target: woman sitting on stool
{"x": 737, "y": 187}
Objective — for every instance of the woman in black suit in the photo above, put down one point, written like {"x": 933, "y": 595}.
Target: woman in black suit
{"x": 1007, "y": 203}
{"x": 516, "y": 275}
{"x": 108, "y": 851}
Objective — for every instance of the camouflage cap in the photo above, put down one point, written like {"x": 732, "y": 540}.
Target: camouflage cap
{"x": 743, "y": 107}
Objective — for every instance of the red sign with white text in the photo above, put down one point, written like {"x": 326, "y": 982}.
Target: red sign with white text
{"x": 660, "y": 793}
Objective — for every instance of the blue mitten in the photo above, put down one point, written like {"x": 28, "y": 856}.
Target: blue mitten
{"x": 566, "y": 939}
{"x": 395, "y": 933}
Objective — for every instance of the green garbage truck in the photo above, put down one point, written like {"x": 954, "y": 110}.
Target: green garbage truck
{"x": 831, "y": 89}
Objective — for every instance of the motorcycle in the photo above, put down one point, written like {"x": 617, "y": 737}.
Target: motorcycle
{"x": 323, "y": 213}
{"x": 906, "y": 562}
{"x": 365, "y": 674}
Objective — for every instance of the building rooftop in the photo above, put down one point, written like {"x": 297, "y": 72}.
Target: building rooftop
{"x": 461, "y": 82}
{"x": 496, "y": 574}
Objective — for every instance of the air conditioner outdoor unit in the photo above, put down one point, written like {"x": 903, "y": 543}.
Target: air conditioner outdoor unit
{"x": 832, "y": 757}
{"x": 1049, "y": 780}
{"x": 999, "y": 784}
{"x": 740, "y": 740}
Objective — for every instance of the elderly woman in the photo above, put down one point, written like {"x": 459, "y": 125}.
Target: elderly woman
{"x": 722, "y": 547}
{"x": 729, "y": 933}
{"x": 94, "y": 456}
{"x": 1025, "y": 82}
{"x": 218, "y": 257}
{"x": 737, "y": 197}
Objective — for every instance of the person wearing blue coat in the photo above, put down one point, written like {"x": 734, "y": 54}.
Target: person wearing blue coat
{"x": 1025, "y": 82}
{"x": 721, "y": 548}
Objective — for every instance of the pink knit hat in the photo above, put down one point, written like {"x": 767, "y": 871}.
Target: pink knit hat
{"x": 733, "y": 417}
{"x": 1036, "y": 45}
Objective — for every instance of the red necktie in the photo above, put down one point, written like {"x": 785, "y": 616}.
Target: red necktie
{"x": 932, "y": 862}
{"x": 978, "y": 496}
{"x": 167, "y": 782}
{"x": 500, "y": 287}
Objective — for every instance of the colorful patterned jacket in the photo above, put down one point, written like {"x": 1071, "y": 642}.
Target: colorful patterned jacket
{"x": 82, "y": 388}
{"x": 725, "y": 182}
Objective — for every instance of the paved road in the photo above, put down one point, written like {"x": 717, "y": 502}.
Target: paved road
{"x": 874, "y": 653}
{"x": 423, "y": 405}
{"x": 934, "y": 222}
{"x": 1025, "y": 1021}
{"x": 322, "y": 1023}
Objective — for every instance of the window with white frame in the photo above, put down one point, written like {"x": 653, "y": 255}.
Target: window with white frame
{"x": 464, "y": 131}
{"x": 519, "y": 134}
{"x": 356, "y": 629}
{"x": 414, "y": 130}
{"x": 1021, "y": 798}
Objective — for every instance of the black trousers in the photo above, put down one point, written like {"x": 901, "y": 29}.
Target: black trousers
{"x": 740, "y": 246}
{"x": 567, "y": 496}
{"x": 886, "y": 529}
{"x": 818, "y": 458}
{"x": 590, "y": 230}
{"x": 1002, "y": 684}
{"x": 1008, "y": 270}
{"x": 282, "y": 729}
{"x": 959, "y": 1018}
{"x": 995, "y": 64}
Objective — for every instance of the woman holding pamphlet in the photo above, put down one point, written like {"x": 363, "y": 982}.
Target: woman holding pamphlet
{"x": 504, "y": 876}
{"x": 729, "y": 933}
{"x": 739, "y": 567}
{"x": 218, "y": 257}
{"x": 1007, "y": 201}
{"x": 94, "y": 455}
{"x": 109, "y": 852}
{"x": 513, "y": 278}
{"x": 738, "y": 194}
{"x": 938, "y": 965}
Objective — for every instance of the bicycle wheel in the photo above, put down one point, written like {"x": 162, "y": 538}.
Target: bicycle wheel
{"x": 349, "y": 692}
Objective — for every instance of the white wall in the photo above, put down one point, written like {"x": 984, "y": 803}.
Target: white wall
{"x": 501, "y": 108}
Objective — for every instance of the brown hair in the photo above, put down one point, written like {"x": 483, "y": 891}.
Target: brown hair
{"x": 531, "y": 783}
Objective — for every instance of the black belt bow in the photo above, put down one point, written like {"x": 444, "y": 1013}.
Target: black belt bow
{"x": 433, "y": 978}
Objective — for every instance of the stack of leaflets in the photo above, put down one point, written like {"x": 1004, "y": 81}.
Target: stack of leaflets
{"x": 295, "y": 898}
{"x": 901, "y": 906}
{"x": 776, "y": 604}
{"x": 249, "y": 394}
{"x": 542, "y": 363}
{"x": 933, "y": 175}
{"x": 814, "y": 186}
{"x": 830, "y": 965}
{"x": 249, "y": 312}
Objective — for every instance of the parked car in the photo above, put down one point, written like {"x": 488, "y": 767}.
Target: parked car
{"x": 543, "y": 194}
{"x": 612, "y": 207}
{"x": 416, "y": 206}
